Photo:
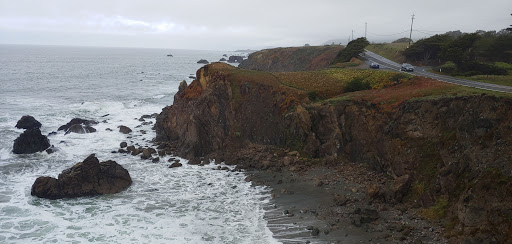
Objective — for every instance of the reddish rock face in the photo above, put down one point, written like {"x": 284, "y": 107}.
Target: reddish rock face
{"x": 438, "y": 150}
{"x": 87, "y": 178}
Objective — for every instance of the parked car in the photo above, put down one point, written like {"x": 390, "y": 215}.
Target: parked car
{"x": 374, "y": 65}
{"x": 407, "y": 67}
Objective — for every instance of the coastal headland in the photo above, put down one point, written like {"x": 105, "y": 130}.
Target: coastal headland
{"x": 407, "y": 159}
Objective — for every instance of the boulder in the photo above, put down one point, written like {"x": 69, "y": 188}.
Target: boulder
{"x": 30, "y": 141}
{"x": 203, "y": 61}
{"x": 78, "y": 121}
{"x": 235, "y": 59}
{"x": 125, "y": 129}
{"x": 80, "y": 129}
{"x": 123, "y": 144}
{"x": 87, "y": 178}
{"x": 146, "y": 154}
{"x": 28, "y": 122}
{"x": 175, "y": 165}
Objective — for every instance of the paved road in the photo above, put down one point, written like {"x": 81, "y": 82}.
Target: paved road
{"x": 390, "y": 65}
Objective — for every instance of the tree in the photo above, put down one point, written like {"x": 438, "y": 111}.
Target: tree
{"x": 460, "y": 50}
{"x": 353, "y": 49}
{"x": 427, "y": 49}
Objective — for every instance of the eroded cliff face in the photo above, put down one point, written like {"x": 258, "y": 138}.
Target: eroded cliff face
{"x": 451, "y": 155}
{"x": 220, "y": 112}
{"x": 291, "y": 58}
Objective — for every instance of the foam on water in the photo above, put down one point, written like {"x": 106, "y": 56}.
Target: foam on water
{"x": 190, "y": 204}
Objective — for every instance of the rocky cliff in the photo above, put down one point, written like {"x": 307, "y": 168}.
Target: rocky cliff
{"x": 292, "y": 58}
{"x": 448, "y": 155}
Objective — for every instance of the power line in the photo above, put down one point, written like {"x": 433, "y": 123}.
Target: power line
{"x": 388, "y": 34}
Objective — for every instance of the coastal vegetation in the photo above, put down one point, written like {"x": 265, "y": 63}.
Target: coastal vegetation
{"x": 480, "y": 56}
{"x": 352, "y": 50}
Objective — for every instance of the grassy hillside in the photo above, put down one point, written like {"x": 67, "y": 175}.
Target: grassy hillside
{"x": 292, "y": 58}
{"x": 391, "y": 51}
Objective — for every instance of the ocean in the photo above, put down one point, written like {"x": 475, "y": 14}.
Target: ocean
{"x": 116, "y": 86}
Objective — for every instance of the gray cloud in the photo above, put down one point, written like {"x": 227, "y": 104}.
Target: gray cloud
{"x": 227, "y": 24}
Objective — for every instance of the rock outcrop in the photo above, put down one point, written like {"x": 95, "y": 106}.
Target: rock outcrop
{"x": 235, "y": 59}
{"x": 87, "y": 178}
{"x": 203, "y": 61}
{"x": 28, "y": 122}
{"x": 451, "y": 155}
{"x": 291, "y": 58}
{"x": 30, "y": 141}
{"x": 125, "y": 129}
{"x": 80, "y": 126}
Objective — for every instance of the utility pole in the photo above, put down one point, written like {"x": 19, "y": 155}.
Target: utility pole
{"x": 365, "y": 28}
{"x": 352, "y": 34}
{"x": 410, "y": 35}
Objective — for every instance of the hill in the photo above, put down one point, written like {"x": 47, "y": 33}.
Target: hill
{"x": 291, "y": 58}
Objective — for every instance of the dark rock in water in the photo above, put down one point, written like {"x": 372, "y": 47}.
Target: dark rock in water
{"x": 105, "y": 115}
{"x": 30, "y": 141}
{"x": 146, "y": 154}
{"x": 203, "y": 61}
{"x": 28, "y": 122}
{"x": 108, "y": 129}
{"x": 315, "y": 231}
{"x": 130, "y": 148}
{"x": 192, "y": 77}
{"x": 169, "y": 55}
{"x": 125, "y": 129}
{"x": 224, "y": 55}
{"x": 78, "y": 121}
{"x": 80, "y": 129}
{"x": 52, "y": 133}
{"x": 155, "y": 160}
{"x": 145, "y": 116}
{"x": 51, "y": 150}
{"x": 235, "y": 59}
{"x": 175, "y": 165}
{"x": 222, "y": 60}
{"x": 123, "y": 144}
{"x": 87, "y": 178}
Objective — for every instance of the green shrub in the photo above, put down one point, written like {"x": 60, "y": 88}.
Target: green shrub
{"x": 352, "y": 50}
{"x": 503, "y": 65}
{"x": 313, "y": 96}
{"x": 478, "y": 68}
{"x": 357, "y": 84}
{"x": 448, "y": 67}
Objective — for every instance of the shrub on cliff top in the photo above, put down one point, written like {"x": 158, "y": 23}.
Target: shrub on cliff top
{"x": 357, "y": 84}
{"x": 352, "y": 50}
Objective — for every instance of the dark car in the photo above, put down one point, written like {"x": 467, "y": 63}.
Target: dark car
{"x": 374, "y": 65}
{"x": 407, "y": 67}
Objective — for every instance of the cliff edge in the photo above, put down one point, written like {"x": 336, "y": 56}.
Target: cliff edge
{"x": 448, "y": 155}
{"x": 292, "y": 58}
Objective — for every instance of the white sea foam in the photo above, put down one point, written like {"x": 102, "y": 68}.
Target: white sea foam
{"x": 189, "y": 204}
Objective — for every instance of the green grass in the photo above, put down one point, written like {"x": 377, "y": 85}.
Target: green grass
{"x": 391, "y": 51}
{"x": 504, "y": 80}
{"x": 329, "y": 83}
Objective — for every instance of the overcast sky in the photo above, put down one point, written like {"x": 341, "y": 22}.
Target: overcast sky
{"x": 238, "y": 24}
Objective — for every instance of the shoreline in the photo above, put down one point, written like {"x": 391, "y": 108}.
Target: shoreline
{"x": 324, "y": 204}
